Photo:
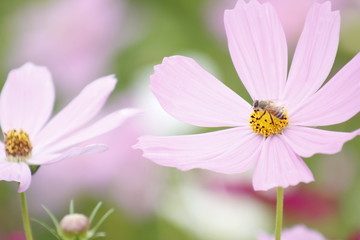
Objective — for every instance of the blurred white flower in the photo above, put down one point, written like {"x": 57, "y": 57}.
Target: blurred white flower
{"x": 211, "y": 215}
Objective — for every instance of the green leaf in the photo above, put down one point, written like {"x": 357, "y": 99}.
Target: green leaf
{"x": 71, "y": 208}
{"x": 99, "y": 235}
{"x": 96, "y": 209}
{"x": 47, "y": 227}
{"x": 102, "y": 219}
{"x": 53, "y": 218}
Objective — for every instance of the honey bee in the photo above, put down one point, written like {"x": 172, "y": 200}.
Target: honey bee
{"x": 272, "y": 107}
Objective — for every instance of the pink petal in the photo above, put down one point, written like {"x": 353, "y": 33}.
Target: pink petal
{"x": 309, "y": 141}
{"x": 264, "y": 236}
{"x": 314, "y": 55}
{"x": 100, "y": 127}
{"x": 335, "y": 102}
{"x": 192, "y": 95}
{"x": 232, "y": 150}
{"x": 73, "y": 152}
{"x": 279, "y": 166}
{"x": 78, "y": 112}
{"x": 27, "y": 99}
{"x": 258, "y": 48}
{"x": 16, "y": 172}
{"x": 298, "y": 232}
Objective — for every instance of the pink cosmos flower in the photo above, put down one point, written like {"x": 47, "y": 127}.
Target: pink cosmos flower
{"x": 26, "y": 103}
{"x": 274, "y": 133}
{"x": 298, "y": 232}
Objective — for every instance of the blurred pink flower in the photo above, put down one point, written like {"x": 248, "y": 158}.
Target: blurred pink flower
{"x": 74, "y": 38}
{"x": 27, "y": 100}
{"x": 355, "y": 236}
{"x": 301, "y": 203}
{"x": 278, "y": 135}
{"x": 298, "y": 232}
{"x": 120, "y": 175}
{"x": 15, "y": 236}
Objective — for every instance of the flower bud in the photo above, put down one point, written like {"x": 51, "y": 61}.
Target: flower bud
{"x": 74, "y": 224}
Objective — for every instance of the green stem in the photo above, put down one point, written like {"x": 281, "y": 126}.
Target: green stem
{"x": 25, "y": 216}
{"x": 279, "y": 212}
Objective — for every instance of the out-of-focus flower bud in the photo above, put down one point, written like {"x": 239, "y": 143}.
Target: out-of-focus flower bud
{"x": 74, "y": 224}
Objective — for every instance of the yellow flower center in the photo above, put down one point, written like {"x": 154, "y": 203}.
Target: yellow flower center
{"x": 17, "y": 145}
{"x": 268, "y": 118}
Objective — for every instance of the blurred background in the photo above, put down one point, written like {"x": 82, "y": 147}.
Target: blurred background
{"x": 81, "y": 40}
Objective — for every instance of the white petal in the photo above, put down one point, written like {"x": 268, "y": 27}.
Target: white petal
{"x": 100, "y": 127}
{"x": 78, "y": 112}
{"x": 27, "y": 99}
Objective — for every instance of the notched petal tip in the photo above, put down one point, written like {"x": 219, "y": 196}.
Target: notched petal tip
{"x": 307, "y": 141}
{"x": 138, "y": 145}
{"x": 170, "y": 61}
{"x": 32, "y": 68}
{"x": 31, "y": 65}
{"x": 326, "y": 7}
{"x": 174, "y": 58}
{"x": 167, "y": 61}
{"x": 143, "y": 142}
{"x": 279, "y": 166}
{"x": 357, "y": 132}
{"x": 250, "y": 3}
{"x": 283, "y": 185}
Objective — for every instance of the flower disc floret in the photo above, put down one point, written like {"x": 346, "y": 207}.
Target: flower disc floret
{"x": 17, "y": 145}
{"x": 266, "y": 124}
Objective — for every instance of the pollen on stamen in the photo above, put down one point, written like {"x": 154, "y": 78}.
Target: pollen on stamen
{"x": 266, "y": 124}
{"x": 17, "y": 145}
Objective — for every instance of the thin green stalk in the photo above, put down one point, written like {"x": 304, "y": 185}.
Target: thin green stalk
{"x": 279, "y": 212}
{"x": 25, "y": 216}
